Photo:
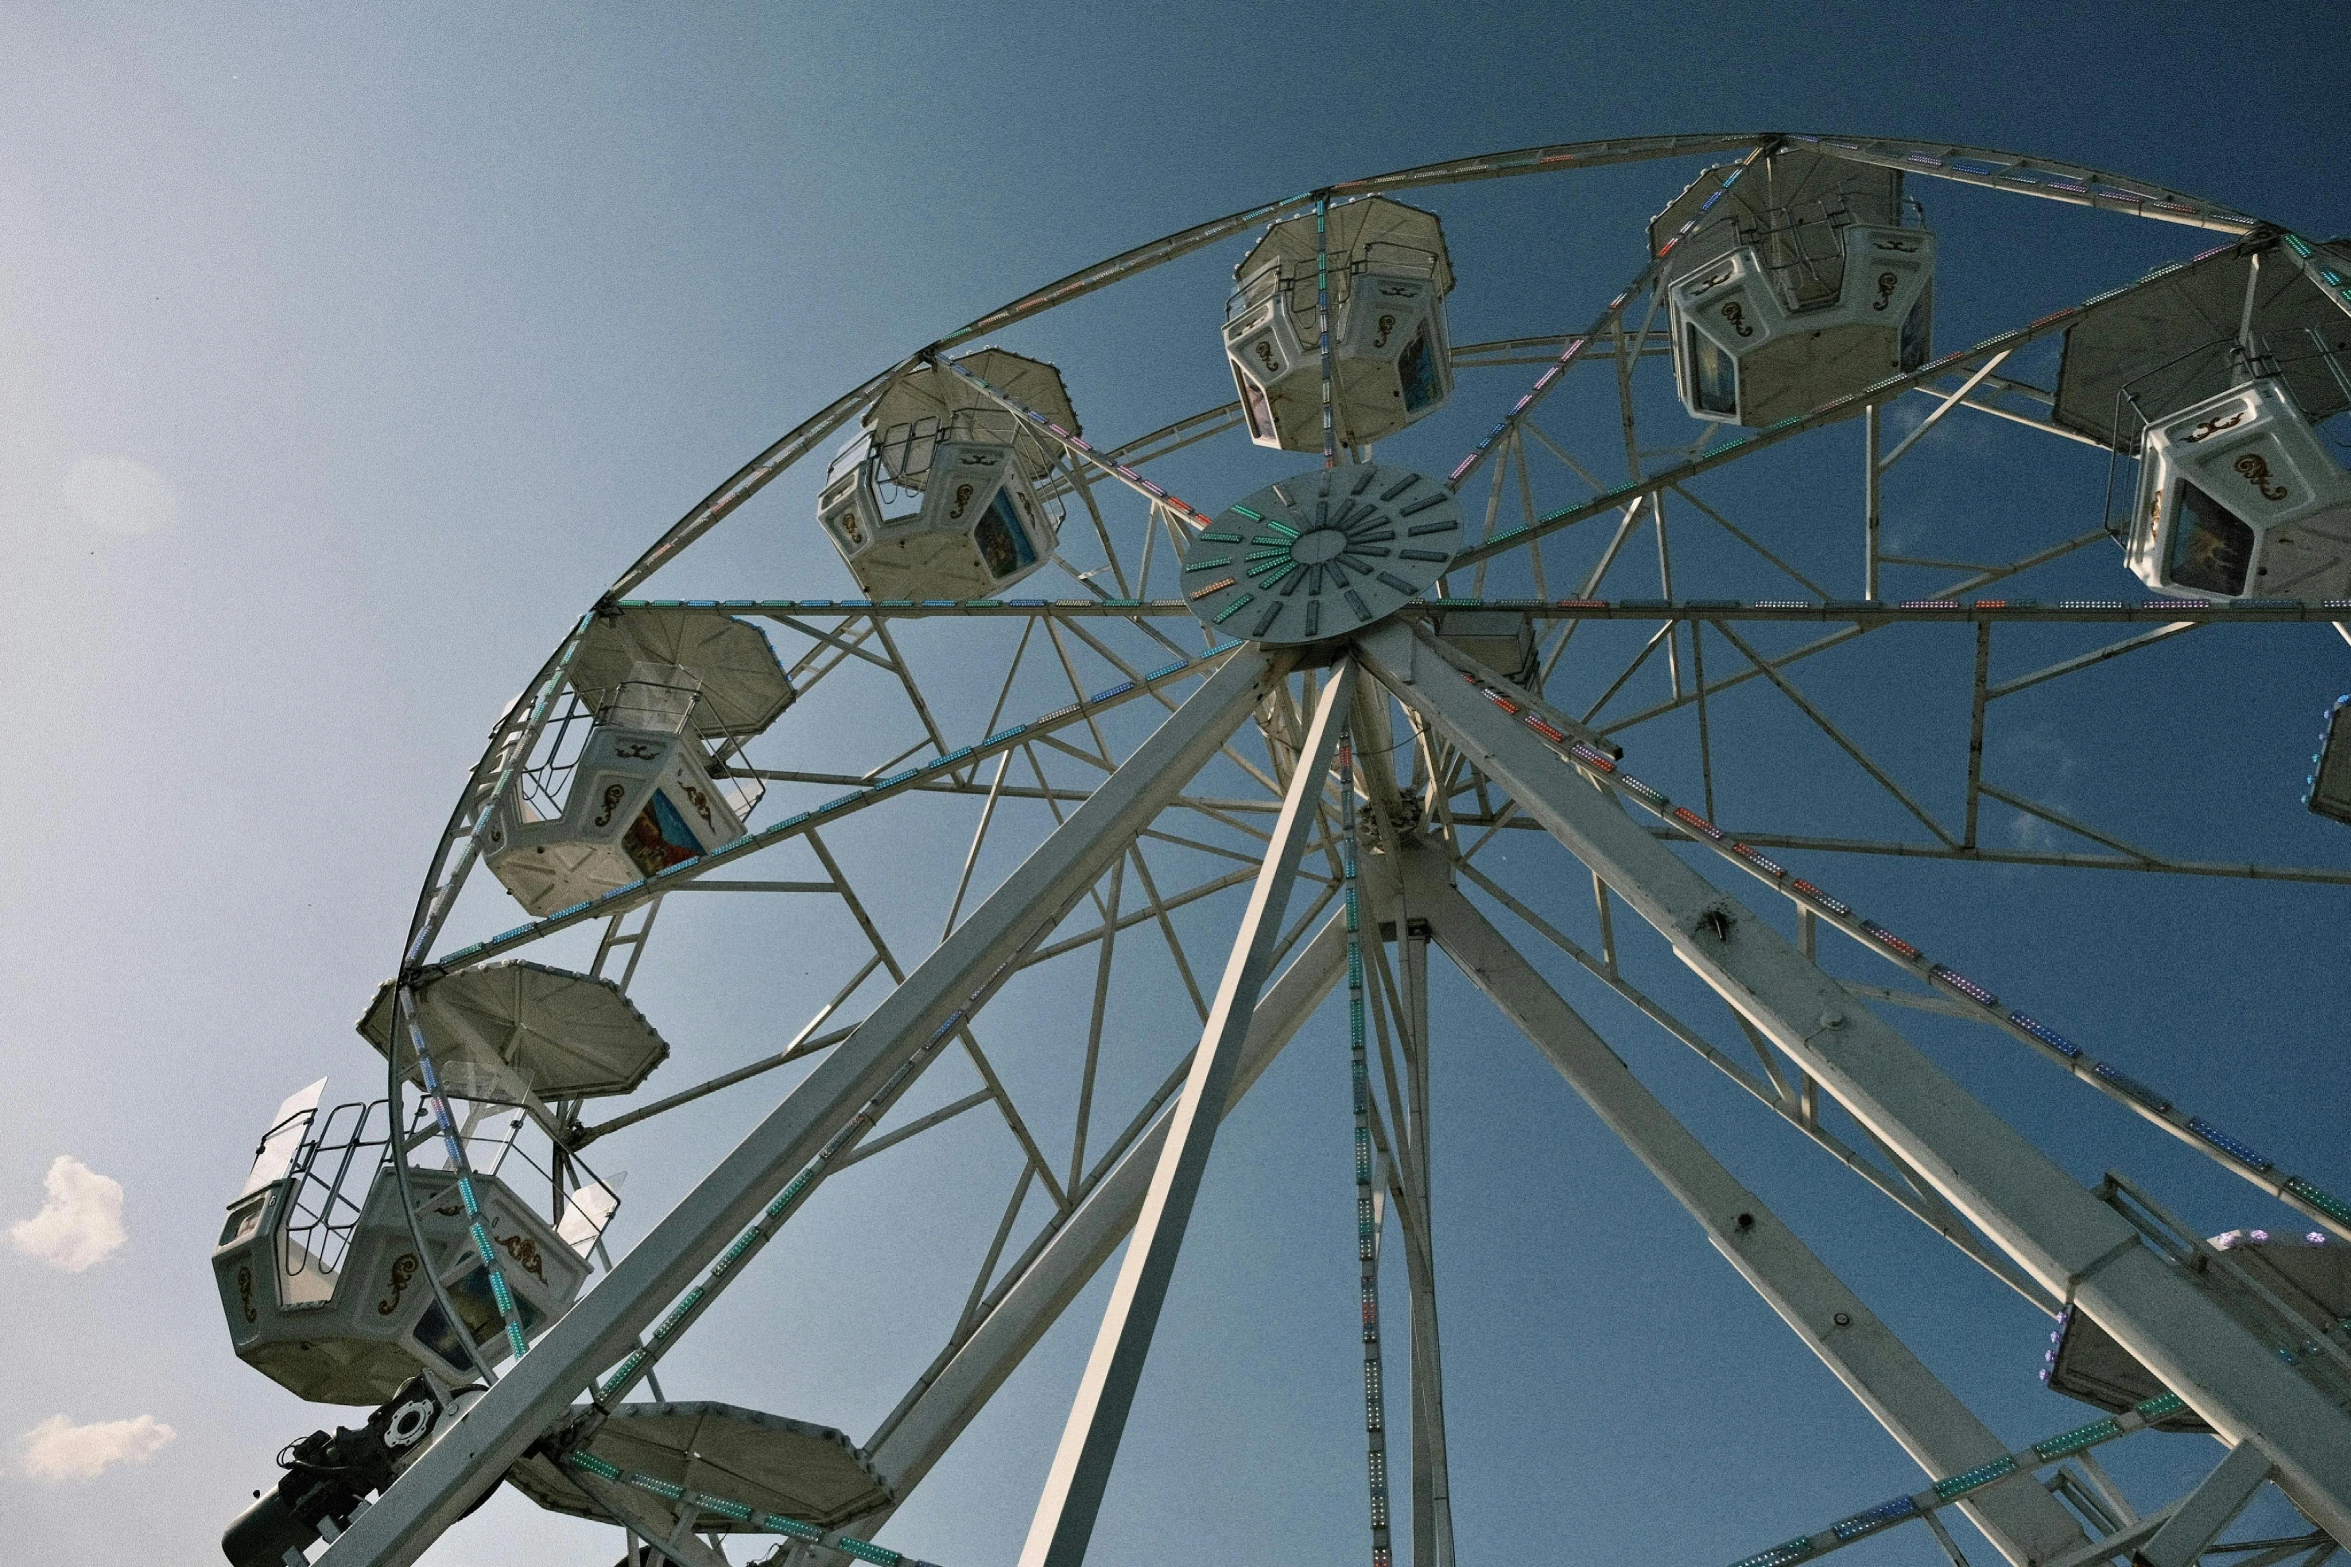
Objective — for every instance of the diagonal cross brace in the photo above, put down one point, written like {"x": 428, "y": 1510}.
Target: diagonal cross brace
{"x": 916, "y": 1017}
{"x": 2078, "y": 1247}
{"x": 1926, "y": 1417}
{"x": 935, "y": 1414}
{"x": 1074, "y": 1486}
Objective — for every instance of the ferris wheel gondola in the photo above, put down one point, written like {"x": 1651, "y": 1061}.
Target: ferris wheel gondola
{"x": 1302, "y": 717}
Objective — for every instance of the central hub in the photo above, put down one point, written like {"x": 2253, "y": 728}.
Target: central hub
{"x": 1319, "y": 547}
{"x": 1322, "y": 555}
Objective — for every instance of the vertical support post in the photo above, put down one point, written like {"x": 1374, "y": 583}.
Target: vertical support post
{"x": 1705, "y": 732}
{"x": 2063, "y": 1235}
{"x": 1673, "y": 633}
{"x": 1927, "y": 1418}
{"x": 1432, "y": 1484}
{"x": 1367, "y": 1194}
{"x": 918, "y": 1433}
{"x": 1869, "y": 502}
{"x": 2248, "y": 347}
{"x": 1975, "y": 729}
{"x": 1064, "y": 1521}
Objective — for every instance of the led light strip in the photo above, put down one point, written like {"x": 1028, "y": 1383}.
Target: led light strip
{"x": 2329, "y": 279}
{"x": 755, "y": 1237}
{"x": 1797, "y": 424}
{"x": 1577, "y": 345}
{"x": 1875, "y": 1520}
{"x": 1322, "y": 325}
{"x": 1367, "y": 1228}
{"x": 1974, "y": 611}
{"x": 742, "y": 1512}
{"x": 500, "y": 1290}
{"x": 2303, "y": 1195}
{"x": 1117, "y": 470}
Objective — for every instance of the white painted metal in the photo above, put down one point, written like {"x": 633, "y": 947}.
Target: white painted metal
{"x": 1927, "y": 1418}
{"x": 1746, "y": 357}
{"x": 920, "y": 1431}
{"x": 1322, "y": 553}
{"x": 2080, "y": 1249}
{"x": 2205, "y": 1511}
{"x": 471, "y": 1453}
{"x": 1791, "y": 282}
{"x": 1064, "y": 1521}
{"x": 970, "y": 468}
{"x": 1432, "y": 1470}
{"x": 1078, "y": 1238}
{"x": 2240, "y": 498}
{"x": 640, "y": 799}
{"x": 1377, "y": 278}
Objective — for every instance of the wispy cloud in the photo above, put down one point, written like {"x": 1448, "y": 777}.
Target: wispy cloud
{"x": 80, "y": 1225}
{"x": 58, "y": 1450}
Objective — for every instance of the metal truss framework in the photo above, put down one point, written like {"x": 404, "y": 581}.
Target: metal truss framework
{"x": 2069, "y": 1244}
{"x": 1233, "y": 789}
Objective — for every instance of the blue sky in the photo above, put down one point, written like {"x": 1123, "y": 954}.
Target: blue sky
{"x": 417, "y": 325}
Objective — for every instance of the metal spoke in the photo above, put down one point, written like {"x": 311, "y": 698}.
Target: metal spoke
{"x": 1820, "y": 719}
{"x": 2084, "y": 661}
{"x": 2068, "y": 1238}
{"x": 963, "y": 1034}
{"x": 920, "y": 1124}
{"x": 1402, "y": 842}
{"x": 1659, "y": 635}
{"x": 1950, "y": 401}
{"x": 2058, "y": 818}
{"x": 979, "y": 1285}
{"x": 1077, "y": 1150}
{"x": 1064, "y": 1521}
{"x": 1736, "y": 532}
{"x": 867, "y": 1070}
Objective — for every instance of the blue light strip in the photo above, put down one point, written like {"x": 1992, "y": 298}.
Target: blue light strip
{"x": 1901, "y": 1509}
{"x": 633, "y": 1368}
{"x": 455, "y": 1147}
{"x": 743, "y": 1513}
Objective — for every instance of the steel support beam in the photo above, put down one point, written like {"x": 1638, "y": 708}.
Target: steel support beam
{"x": 1432, "y": 1480}
{"x": 1074, "y": 1486}
{"x": 2080, "y": 1249}
{"x": 919, "y": 1433}
{"x": 2026, "y": 1523}
{"x": 648, "y": 1520}
{"x": 2205, "y": 1511}
{"x": 916, "y": 1018}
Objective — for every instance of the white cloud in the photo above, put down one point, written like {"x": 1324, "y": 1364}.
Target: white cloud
{"x": 121, "y": 496}
{"x": 58, "y": 1450}
{"x": 81, "y": 1223}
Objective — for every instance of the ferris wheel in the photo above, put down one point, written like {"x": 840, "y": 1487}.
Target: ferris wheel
{"x": 1084, "y": 787}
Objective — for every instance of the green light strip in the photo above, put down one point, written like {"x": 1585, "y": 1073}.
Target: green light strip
{"x": 1901, "y": 1509}
{"x": 744, "y": 1512}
